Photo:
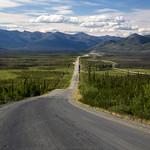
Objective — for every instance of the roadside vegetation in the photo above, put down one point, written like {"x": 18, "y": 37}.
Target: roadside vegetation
{"x": 23, "y": 75}
{"x": 121, "y": 92}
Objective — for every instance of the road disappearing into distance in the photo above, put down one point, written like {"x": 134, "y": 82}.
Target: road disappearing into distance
{"x": 51, "y": 122}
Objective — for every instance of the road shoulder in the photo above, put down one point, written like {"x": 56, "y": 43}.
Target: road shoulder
{"x": 121, "y": 119}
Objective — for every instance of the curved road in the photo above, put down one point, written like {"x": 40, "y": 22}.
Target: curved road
{"x": 51, "y": 122}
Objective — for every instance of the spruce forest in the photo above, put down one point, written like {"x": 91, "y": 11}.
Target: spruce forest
{"x": 102, "y": 86}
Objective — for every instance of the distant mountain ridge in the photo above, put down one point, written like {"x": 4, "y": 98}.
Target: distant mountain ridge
{"x": 79, "y": 42}
{"x": 133, "y": 43}
{"x": 50, "y": 41}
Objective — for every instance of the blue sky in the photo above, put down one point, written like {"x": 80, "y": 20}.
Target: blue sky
{"x": 97, "y": 17}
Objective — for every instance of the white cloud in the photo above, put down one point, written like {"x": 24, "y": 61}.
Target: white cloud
{"x": 119, "y": 19}
{"x": 107, "y": 10}
{"x": 140, "y": 17}
{"x": 102, "y": 21}
{"x": 62, "y": 10}
{"x": 61, "y": 17}
{"x": 96, "y": 24}
{"x": 144, "y": 30}
{"x": 83, "y": 21}
{"x": 93, "y": 24}
{"x": 14, "y": 3}
{"x": 24, "y": 1}
{"x": 49, "y": 19}
{"x": 8, "y": 3}
{"x": 96, "y": 18}
{"x": 9, "y": 27}
{"x": 55, "y": 19}
{"x": 69, "y": 19}
{"x": 77, "y": 19}
{"x": 126, "y": 27}
{"x": 13, "y": 18}
{"x": 90, "y": 3}
{"x": 65, "y": 12}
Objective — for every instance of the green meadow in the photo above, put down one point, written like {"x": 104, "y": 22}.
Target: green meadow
{"x": 26, "y": 75}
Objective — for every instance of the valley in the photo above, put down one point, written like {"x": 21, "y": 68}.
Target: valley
{"x": 27, "y": 75}
{"x": 56, "y": 121}
{"x": 74, "y": 75}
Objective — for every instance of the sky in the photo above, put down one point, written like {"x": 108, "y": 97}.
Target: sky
{"x": 95, "y": 17}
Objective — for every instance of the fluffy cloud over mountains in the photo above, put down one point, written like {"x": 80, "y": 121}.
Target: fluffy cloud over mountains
{"x": 94, "y": 23}
{"x": 93, "y": 16}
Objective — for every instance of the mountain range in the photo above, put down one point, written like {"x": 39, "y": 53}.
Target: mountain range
{"x": 132, "y": 43}
{"x": 50, "y": 41}
{"x": 79, "y": 42}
